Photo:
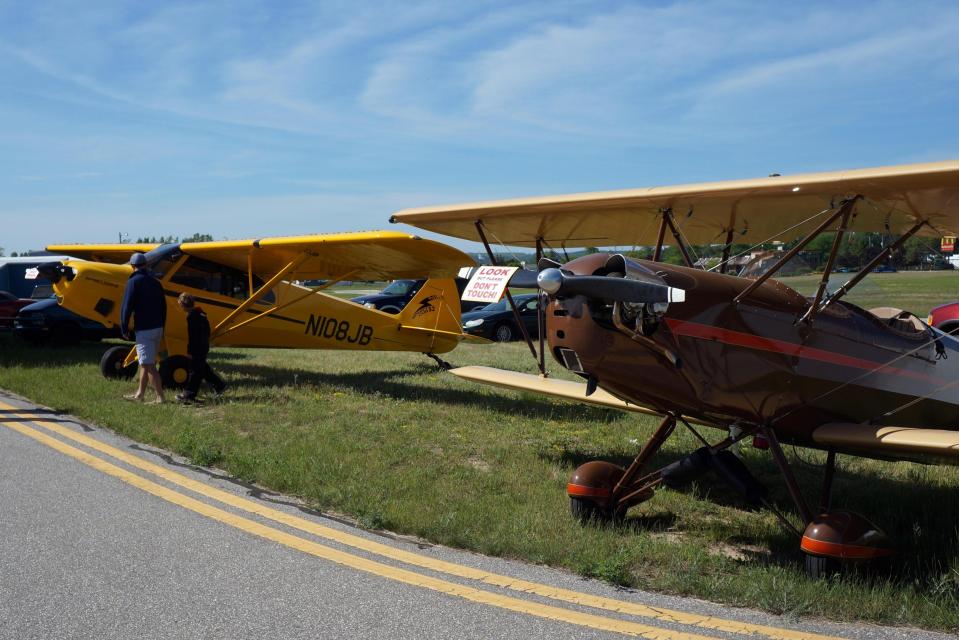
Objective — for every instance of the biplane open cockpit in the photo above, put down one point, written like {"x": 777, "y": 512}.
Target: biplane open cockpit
{"x": 750, "y": 356}
{"x": 246, "y": 289}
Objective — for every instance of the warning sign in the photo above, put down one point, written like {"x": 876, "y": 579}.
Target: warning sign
{"x": 488, "y": 284}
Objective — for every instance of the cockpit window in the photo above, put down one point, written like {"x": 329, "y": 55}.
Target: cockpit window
{"x": 162, "y": 259}
{"x": 198, "y": 273}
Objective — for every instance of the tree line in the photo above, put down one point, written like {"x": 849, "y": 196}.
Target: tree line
{"x": 855, "y": 251}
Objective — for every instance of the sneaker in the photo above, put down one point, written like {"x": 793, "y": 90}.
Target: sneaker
{"x": 185, "y": 398}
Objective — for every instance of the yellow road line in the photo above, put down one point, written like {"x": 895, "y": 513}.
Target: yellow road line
{"x": 356, "y": 562}
{"x": 555, "y": 593}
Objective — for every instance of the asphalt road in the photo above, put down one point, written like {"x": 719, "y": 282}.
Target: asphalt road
{"x": 103, "y": 538}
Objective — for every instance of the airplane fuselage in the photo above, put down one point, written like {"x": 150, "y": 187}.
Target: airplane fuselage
{"x": 303, "y": 318}
{"x": 755, "y": 362}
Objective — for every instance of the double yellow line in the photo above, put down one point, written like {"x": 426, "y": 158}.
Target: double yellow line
{"x": 24, "y": 419}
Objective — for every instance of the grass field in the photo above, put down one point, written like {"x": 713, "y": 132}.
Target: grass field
{"x": 916, "y": 291}
{"x": 393, "y": 442}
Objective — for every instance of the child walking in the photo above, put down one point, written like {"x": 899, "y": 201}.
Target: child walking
{"x": 198, "y": 345}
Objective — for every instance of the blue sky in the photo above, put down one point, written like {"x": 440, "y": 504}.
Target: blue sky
{"x": 249, "y": 118}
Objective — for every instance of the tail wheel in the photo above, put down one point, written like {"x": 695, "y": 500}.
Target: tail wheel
{"x": 503, "y": 333}
{"x": 174, "y": 372}
{"x": 389, "y": 309}
{"x": 111, "y": 364}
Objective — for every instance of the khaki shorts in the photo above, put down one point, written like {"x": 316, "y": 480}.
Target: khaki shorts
{"x": 148, "y": 345}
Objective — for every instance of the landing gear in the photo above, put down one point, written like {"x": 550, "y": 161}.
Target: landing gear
{"x": 111, "y": 364}
{"x": 590, "y": 491}
{"x": 841, "y": 536}
{"x": 602, "y": 491}
{"x": 605, "y": 490}
{"x": 174, "y": 371}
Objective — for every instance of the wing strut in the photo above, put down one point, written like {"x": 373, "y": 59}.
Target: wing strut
{"x": 541, "y": 313}
{"x": 668, "y": 219}
{"x": 288, "y": 303}
{"x": 259, "y": 293}
{"x": 885, "y": 253}
{"x": 827, "y": 270}
{"x": 843, "y": 211}
{"x": 512, "y": 304}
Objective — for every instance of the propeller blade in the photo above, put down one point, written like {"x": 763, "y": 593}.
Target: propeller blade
{"x": 555, "y": 283}
{"x": 53, "y": 271}
{"x": 524, "y": 279}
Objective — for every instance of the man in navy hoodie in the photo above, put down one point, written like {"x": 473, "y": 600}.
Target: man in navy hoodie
{"x": 143, "y": 299}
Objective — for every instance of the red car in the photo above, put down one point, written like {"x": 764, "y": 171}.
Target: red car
{"x": 9, "y": 306}
{"x": 945, "y": 317}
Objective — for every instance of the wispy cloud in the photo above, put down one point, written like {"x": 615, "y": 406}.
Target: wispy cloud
{"x": 185, "y": 103}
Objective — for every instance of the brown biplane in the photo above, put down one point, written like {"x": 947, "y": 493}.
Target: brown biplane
{"x": 750, "y": 356}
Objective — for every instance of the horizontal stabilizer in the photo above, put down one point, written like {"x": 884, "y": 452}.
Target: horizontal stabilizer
{"x": 462, "y": 337}
{"x": 564, "y": 389}
{"x": 890, "y": 441}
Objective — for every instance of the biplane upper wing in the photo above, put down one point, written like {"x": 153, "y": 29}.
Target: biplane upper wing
{"x": 368, "y": 255}
{"x": 113, "y": 253}
{"x": 565, "y": 389}
{"x": 895, "y": 198}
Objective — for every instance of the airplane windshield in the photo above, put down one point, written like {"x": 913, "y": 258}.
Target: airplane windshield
{"x": 209, "y": 276}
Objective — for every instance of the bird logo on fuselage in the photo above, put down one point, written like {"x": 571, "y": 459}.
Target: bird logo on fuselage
{"x": 426, "y": 306}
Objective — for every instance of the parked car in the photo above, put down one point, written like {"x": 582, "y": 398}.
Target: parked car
{"x": 47, "y": 322}
{"x": 9, "y": 306}
{"x": 884, "y": 268}
{"x": 496, "y": 321}
{"x": 398, "y": 294}
{"x": 945, "y": 317}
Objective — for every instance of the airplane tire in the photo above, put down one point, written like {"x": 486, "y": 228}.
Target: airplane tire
{"x": 503, "y": 333}
{"x": 174, "y": 371}
{"x": 820, "y": 567}
{"x": 586, "y": 511}
{"x": 390, "y": 309}
{"x": 111, "y": 364}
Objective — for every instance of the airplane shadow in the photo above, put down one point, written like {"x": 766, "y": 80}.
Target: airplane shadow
{"x": 17, "y": 352}
{"x": 399, "y": 383}
{"x": 918, "y": 515}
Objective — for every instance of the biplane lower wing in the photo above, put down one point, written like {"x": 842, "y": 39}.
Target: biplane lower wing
{"x": 885, "y": 441}
{"x": 565, "y": 389}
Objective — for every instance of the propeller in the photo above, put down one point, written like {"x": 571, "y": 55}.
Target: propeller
{"x": 53, "y": 271}
{"x": 556, "y": 283}
{"x": 526, "y": 278}
{"x": 639, "y": 286}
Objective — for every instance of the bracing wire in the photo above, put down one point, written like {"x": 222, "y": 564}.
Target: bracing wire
{"x": 872, "y": 371}
{"x": 773, "y": 237}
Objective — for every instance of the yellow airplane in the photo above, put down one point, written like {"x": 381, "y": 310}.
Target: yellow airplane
{"x": 246, "y": 290}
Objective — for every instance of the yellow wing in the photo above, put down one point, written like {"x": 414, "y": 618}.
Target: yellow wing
{"x": 924, "y": 445}
{"x": 113, "y": 253}
{"x": 368, "y": 255}
{"x": 755, "y": 209}
{"x": 565, "y": 389}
